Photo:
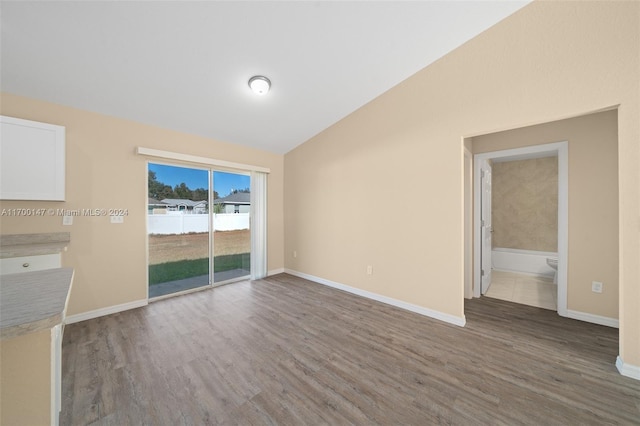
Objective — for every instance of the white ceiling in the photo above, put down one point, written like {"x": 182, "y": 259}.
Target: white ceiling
{"x": 184, "y": 65}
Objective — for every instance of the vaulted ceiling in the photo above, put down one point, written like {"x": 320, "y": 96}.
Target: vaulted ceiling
{"x": 184, "y": 65}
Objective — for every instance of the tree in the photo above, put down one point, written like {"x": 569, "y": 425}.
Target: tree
{"x": 158, "y": 190}
{"x": 218, "y": 208}
{"x": 166, "y": 192}
{"x": 183, "y": 192}
{"x": 200, "y": 194}
{"x": 246, "y": 190}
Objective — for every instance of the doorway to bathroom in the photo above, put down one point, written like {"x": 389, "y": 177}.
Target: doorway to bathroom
{"x": 509, "y": 268}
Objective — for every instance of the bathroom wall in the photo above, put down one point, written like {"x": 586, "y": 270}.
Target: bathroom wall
{"x": 524, "y": 204}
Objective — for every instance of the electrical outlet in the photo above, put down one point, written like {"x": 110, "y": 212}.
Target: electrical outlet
{"x": 295, "y": 254}
{"x": 67, "y": 220}
{"x": 596, "y": 286}
{"x": 117, "y": 219}
{"x": 369, "y": 270}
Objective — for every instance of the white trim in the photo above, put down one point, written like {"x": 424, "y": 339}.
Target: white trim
{"x": 105, "y": 311}
{"x": 275, "y": 272}
{"x": 478, "y": 163}
{"x": 627, "y": 370}
{"x": 595, "y": 319}
{"x": 563, "y": 225}
{"x": 467, "y": 215}
{"x": 168, "y": 155}
{"x": 562, "y": 149}
{"x": 210, "y": 216}
{"x": 56, "y": 374}
{"x": 146, "y": 227}
{"x": 451, "y": 319}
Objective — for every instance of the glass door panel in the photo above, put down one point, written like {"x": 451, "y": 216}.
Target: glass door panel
{"x": 231, "y": 224}
{"x": 178, "y": 229}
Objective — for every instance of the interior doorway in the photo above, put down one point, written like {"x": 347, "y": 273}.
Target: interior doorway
{"x": 482, "y": 212}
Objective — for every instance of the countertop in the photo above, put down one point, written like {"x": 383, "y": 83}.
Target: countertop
{"x": 19, "y": 245}
{"x": 33, "y": 301}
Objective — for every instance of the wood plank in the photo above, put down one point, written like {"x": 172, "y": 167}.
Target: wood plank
{"x": 284, "y": 350}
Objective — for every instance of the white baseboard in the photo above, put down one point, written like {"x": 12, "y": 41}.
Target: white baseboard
{"x": 275, "y": 272}
{"x": 105, "y": 311}
{"x": 451, "y": 319}
{"x": 595, "y": 319}
{"x": 628, "y": 370}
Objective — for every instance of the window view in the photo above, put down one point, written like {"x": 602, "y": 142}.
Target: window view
{"x": 181, "y": 239}
{"x": 231, "y": 223}
{"x": 178, "y": 228}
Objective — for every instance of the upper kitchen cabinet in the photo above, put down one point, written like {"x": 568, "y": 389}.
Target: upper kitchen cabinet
{"x": 32, "y": 160}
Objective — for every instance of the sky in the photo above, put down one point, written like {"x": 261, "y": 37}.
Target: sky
{"x": 224, "y": 182}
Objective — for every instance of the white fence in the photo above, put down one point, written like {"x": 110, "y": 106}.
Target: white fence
{"x": 177, "y": 223}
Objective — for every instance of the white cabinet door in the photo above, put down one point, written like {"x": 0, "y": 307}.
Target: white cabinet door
{"x": 15, "y": 265}
{"x": 32, "y": 160}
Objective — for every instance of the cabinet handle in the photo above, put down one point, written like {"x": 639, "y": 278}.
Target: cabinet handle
{"x": 25, "y": 265}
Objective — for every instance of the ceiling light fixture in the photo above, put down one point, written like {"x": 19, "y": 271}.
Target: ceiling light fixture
{"x": 259, "y": 84}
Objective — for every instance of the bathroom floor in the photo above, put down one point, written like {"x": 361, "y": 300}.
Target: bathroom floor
{"x": 525, "y": 289}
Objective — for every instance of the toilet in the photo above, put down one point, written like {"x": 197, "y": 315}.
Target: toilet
{"x": 553, "y": 263}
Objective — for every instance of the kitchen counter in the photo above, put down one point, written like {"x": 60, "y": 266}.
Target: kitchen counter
{"x": 33, "y": 301}
{"x": 19, "y": 245}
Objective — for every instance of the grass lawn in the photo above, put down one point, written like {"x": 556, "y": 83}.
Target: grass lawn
{"x": 181, "y": 269}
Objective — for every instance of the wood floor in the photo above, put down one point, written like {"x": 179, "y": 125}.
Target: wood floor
{"x": 287, "y": 351}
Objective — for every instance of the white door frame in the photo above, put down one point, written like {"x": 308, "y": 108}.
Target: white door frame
{"x": 485, "y": 231}
{"x": 562, "y": 151}
{"x": 468, "y": 224}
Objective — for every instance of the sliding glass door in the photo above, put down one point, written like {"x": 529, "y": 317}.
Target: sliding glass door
{"x": 178, "y": 229}
{"x": 232, "y": 226}
{"x": 198, "y": 228}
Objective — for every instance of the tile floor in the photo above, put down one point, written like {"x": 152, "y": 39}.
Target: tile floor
{"x": 525, "y": 289}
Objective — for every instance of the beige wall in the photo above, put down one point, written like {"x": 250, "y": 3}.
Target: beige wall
{"x": 25, "y": 375}
{"x": 593, "y": 202}
{"x": 524, "y": 204}
{"x": 549, "y": 61}
{"x": 102, "y": 171}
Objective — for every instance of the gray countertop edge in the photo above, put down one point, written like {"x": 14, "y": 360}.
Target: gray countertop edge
{"x": 31, "y": 327}
{"x": 7, "y": 252}
{"x": 33, "y": 301}
{"x": 18, "y": 245}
